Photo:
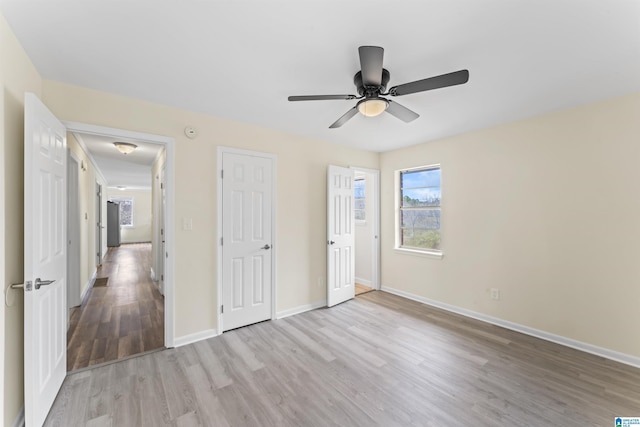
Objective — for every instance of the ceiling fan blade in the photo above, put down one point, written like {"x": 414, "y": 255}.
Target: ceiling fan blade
{"x": 401, "y": 112}
{"x": 320, "y": 97}
{"x": 345, "y": 118}
{"x": 371, "y": 64}
{"x": 437, "y": 82}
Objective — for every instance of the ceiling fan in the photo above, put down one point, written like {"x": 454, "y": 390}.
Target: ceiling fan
{"x": 371, "y": 83}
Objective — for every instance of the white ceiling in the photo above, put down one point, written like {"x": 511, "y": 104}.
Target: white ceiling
{"x": 132, "y": 171}
{"x": 241, "y": 59}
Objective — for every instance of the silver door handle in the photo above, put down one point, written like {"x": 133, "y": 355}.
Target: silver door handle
{"x": 331, "y": 242}
{"x": 265, "y": 247}
{"x": 42, "y": 283}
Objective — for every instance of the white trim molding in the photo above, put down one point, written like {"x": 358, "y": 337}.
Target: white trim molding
{"x": 195, "y": 337}
{"x": 627, "y": 359}
{"x": 301, "y": 309}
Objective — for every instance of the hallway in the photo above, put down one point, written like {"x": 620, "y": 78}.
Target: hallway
{"x": 122, "y": 315}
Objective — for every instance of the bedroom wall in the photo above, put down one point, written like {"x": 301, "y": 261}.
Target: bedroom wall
{"x": 547, "y": 211}
{"x": 17, "y": 76}
{"x": 301, "y": 194}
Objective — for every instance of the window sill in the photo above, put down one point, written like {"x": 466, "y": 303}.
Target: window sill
{"x": 417, "y": 252}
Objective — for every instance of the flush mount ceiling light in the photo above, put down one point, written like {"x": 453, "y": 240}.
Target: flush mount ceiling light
{"x": 372, "y": 107}
{"x": 125, "y": 147}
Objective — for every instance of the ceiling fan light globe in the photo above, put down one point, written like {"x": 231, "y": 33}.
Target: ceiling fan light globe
{"x": 372, "y": 107}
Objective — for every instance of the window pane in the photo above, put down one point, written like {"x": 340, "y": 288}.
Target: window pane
{"x": 359, "y": 204}
{"x": 359, "y": 188}
{"x": 421, "y": 197}
{"x": 421, "y": 228}
{"x": 421, "y": 178}
{"x": 423, "y": 239}
{"x": 126, "y": 212}
{"x": 420, "y": 219}
{"x": 359, "y": 215}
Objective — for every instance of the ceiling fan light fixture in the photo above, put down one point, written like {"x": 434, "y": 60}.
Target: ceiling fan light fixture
{"x": 125, "y": 147}
{"x": 372, "y": 107}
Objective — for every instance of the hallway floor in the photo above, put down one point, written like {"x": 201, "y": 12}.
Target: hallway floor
{"x": 119, "y": 318}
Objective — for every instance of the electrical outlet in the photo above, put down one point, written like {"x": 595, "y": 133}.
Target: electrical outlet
{"x": 495, "y": 294}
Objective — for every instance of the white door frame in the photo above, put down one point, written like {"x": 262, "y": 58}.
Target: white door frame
{"x": 375, "y": 238}
{"x": 98, "y": 224}
{"x": 169, "y": 144}
{"x": 274, "y": 246}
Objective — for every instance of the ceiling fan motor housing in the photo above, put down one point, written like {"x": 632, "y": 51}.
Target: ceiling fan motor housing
{"x": 371, "y": 91}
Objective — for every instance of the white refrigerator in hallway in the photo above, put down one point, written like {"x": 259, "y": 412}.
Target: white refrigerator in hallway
{"x": 113, "y": 224}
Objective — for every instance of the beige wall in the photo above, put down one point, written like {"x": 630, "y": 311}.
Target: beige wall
{"x": 17, "y": 76}
{"x": 547, "y": 210}
{"x": 141, "y": 230}
{"x": 88, "y": 215}
{"x": 302, "y": 163}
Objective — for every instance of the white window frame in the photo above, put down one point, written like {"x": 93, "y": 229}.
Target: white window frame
{"x": 398, "y": 248}
{"x": 126, "y": 199}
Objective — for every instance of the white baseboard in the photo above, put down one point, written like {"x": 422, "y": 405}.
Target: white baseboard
{"x": 195, "y": 337}
{"x": 364, "y": 282}
{"x": 300, "y": 309}
{"x": 88, "y": 285}
{"x": 19, "y": 421}
{"x": 627, "y": 359}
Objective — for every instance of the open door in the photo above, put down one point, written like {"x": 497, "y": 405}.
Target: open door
{"x": 340, "y": 235}
{"x": 45, "y": 259}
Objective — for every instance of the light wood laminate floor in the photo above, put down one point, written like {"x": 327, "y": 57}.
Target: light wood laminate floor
{"x": 361, "y": 289}
{"x": 377, "y": 360}
{"x": 123, "y": 318}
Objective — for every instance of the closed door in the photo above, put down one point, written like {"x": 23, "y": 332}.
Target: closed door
{"x": 340, "y": 235}
{"x": 45, "y": 259}
{"x": 247, "y": 182}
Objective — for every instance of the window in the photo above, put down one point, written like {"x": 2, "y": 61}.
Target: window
{"x": 359, "y": 199}
{"x": 419, "y": 212}
{"x": 126, "y": 210}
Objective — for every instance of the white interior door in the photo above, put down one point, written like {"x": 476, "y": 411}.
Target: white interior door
{"x": 45, "y": 259}
{"x": 247, "y": 192}
{"x": 340, "y": 235}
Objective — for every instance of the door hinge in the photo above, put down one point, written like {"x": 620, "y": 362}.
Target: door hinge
{"x": 222, "y": 309}
{"x": 161, "y": 186}
{"x": 162, "y": 231}
{"x": 222, "y": 174}
{"x": 221, "y": 241}
{"x": 162, "y": 277}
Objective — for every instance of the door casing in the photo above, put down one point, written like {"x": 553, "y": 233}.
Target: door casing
{"x": 169, "y": 215}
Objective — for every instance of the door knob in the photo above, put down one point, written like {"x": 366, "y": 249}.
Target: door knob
{"x": 42, "y": 283}
{"x": 331, "y": 242}
{"x": 265, "y": 247}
